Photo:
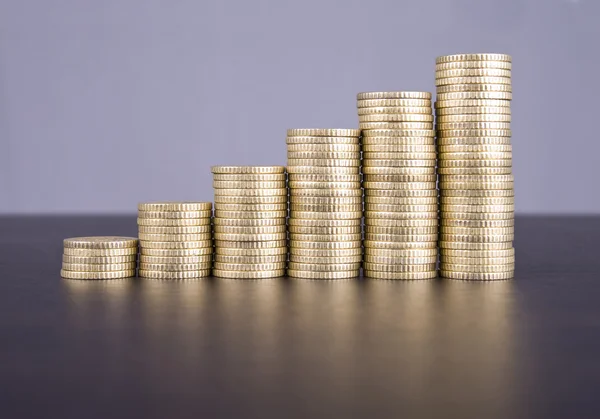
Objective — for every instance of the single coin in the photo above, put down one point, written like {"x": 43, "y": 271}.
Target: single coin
{"x": 251, "y": 259}
{"x": 158, "y": 263}
{"x": 175, "y": 206}
{"x": 415, "y": 193}
{"x": 259, "y": 222}
{"x": 324, "y": 230}
{"x": 474, "y": 137}
{"x": 250, "y": 237}
{"x": 396, "y": 117}
{"x": 466, "y": 200}
{"x": 399, "y": 185}
{"x": 474, "y": 64}
{"x": 500, "y": 253}
{"x": 471, "y": 103}
{"x": 335, "y": 260}
{"x": 241, "y": 184}
{"x": 474, "y": 110}
{"x": 472, "y": 80}
{"x": 325, "y": 237}
{"x": 393, "y": 95}
{"x": 475, "y": 170}
{"x": 477, "y": 239}
{"x": 177, "y": 253}
{"x": 325, "y": 245}
{"x": 400, "y": 230}
{"x": 97, "y": 275}
{"x": 100, "y": 242}
{"x": 467, "y": 276}
{"x": 400, "y": 132}
{"x": 323, "y": 148}
{"x": 401, "y": 237}
{"x": 271, "y": 244}
{"x": 175, "y": 230}
{"x": 293, "y": 155}
{"x": 101, "y": 260}
{"x": 98, "y": 267}
{"x": 247, "y": 169}
{"x": 451, "y": 215}
{"x": 323, "y": 223}
{"x": 485, "y": 261}
{"x": 400, "y": 178}
{"x": 474, "y": 246}
{"x": 446, "y": 119}
{"x": 325, "y": 267}
{"x": 376, "y": 245}
{"x": 100, "y": 252}
{"x": 304, "y": 140}
{"x": 198, "y": 273}
{"x": 175, "y": 237}
{"x": 442, "y": 163}
{"x": 324, "y": 162}
{"x": 319, "y": 132}
{"x": 326, "y": 207}
{"x": 485, "y": 95}
{"x": 476, "y": 148}
{"x": 250, "y": 214}
{"x": 175, "y": 215}
{"x": 248, "y": 274}
{"x": 449, "y": 126}
{"x": 399, "y": 148}
{"x": 325, "y": 192}
{"x": 323, "y": 170}
{"x": 173, "y": 222}
{"x": 260, "y": 252}
{"x": 396, "y": 125}
{"x": 323, "y": 275}
{"x": 476, "y": 185}
{"x": 473, "y": 57}
{"x": 172, "y": 245}
{"x": 306, "y": 177}
{"x": 326, "y": 200}
{"x": 251, "y": 192}
{"x": 392, "y": 103}
{"x": 397, "y": 215}
{"x": 480, "y": 155}
{"x": 448, "y": 267}
{"x": 380, "y": 267}
{"x": 472, "y": 72}
{"x": 250, "y": 230}
{"x": 477, "y": 223}
{"x": 428, "y": 222}
{"x": 402, "y": 253}
{"x": 399, "y": 163}
{"x": 477, "y": 231}
{"x": 399, "y": 156}
{"x": 398, "y": 142}
{"x": 251, "y": 207}
{"x": 326, "y": 215}
{"x": 249, "y": 177}
{"x": 376, "y": 110}
{"x": 228, "y": 199}
{"x": 326, "y": 253}
{"x": 397, "y": 260}
{"x": 323, "y": 185}
{"x": 244, "y": 267}
{"x": 400, "y": 275}
{"x": 400, "y": 208}
{"x": 477, "y": 208}
{"x": 399, "y": 171}
{"x": 477, "y": 178}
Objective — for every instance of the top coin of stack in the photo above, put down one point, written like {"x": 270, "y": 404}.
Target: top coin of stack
{"x": 325, "y": 203}
{"x": 175, "y": 239}
{"x": 475, "y": 165}
{"x": 99, "y": 257}
{"x": 250, "y": 221}
{"x": 401, "y": 212}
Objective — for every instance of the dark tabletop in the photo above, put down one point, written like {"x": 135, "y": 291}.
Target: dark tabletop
{"x": 291, "y": 348}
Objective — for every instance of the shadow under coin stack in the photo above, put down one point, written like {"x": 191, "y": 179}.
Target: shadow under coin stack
{"x": 401, "y": 207}
{"x": 175, "y": 240}
{"x": 99, "y": 257}
{"x": 325, "y": 203}
{"x": 250, "y": 221}
{"x": 475, "y": 166}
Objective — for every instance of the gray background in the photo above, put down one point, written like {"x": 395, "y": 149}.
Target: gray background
{"x": 107, "y": 103}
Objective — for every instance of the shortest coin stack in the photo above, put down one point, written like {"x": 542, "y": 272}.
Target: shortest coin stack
{"x": 99, "y": 257}
{"x": 175, "y": 240}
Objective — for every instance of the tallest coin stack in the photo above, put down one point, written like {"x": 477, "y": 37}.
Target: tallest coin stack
{"x": 475, "y": 166}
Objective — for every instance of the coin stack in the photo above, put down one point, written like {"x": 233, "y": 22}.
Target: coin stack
{"x": 475, "y": 166}
{"x": 99, "y": 257}
{"x": 250, "y": 221}
{"x": 325, "y": 203}
{"x": 175, "y": 240}
{"x": 401, "y": 207}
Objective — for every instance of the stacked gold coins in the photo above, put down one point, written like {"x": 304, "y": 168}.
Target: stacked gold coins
{"x": 175, "y": 240}
{"x": 325, "y": 203}
{"x": 99, "y": 257}
{"x": 401, "y": 206}
{"x": 475, "y": 166}
{"x": 250, "y": 221}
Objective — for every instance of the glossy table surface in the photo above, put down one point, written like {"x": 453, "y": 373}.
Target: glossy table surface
{"x": 291, "y": 348}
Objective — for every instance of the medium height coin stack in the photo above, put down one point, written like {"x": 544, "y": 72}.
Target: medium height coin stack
{"x": 175, "y": 240}
{"x": 401, "y": 208}
{"x": 250, "y": 221}
{"x": 475, "y": 166}
{"x": 325, "y": 203}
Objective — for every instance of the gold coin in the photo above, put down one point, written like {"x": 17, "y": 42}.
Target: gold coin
{"x": 251, "y": 259}
{"x": 220, "y": 245}
{"x": 250, "y": 214}
{"x": 400, "y": 156}
{"x": 452, "y": 215}
{"x": 397, "y": 260}
{"x": 176, "y": 260}
{"x": 249, "y": 177}
{"x": 477, "y": 239}
{"x": 399, "y": 171}
{"x": 473, "y": 57}
{"x": 397, "y": 142}
{"x": 477, "y": 223}
{"x": 323, "y": 185}
{"x": 474, "y": 246}
{"x": 472, "y": 72}
{"x": 452, "y": 260}
{"x": 393, "y": 103}
{"x": 248, "y": 274}
{"x": 451, "y": 126}
{"x": 250, "y": 230}
{"x": 259, "y": 252}
{"x": 475, "y": 170}
{"x": 100, "y": 252}
{"x": 323, "y": 223}
{"x": 396, "y": 117}
{"x": 323, "y": 200}
{"x": 465, "y": 200}
{"x": 472, "y": 80}
{"x": 500, "y": 253}
{"x": 400, "y": 178}
{"x": 103, "y": 260}
{"x": 477, "y": 231}
{"x": 198, "y": 273}
{"x": 241, "y": 184}
{"x": 376, "y": 110}
{"x": 396, "y": 215}
{"x": 471, "y": 103}
{"x": 176, "y": 253}
{"x": 381, "y": 237}
{"x": 398, "y": 132}
{"x": 243, "y": 267}
{"x": 380, "y": 267}
{"x": 323, "y": 275}
{"x": 477, "y": 95}
{"x": 327, "y": 245}
{"x": 309, "y": 155}
{"x": 320, "y": 132}
{"x": 400, "y": 208}
{"x": 393, "y": 95}
{"x": 400, "y": 230}
{"x": 325, "y": 230}
{"x": 474, "y": 110}
{"x": 467, "y": 276}
{"x": 324, "y": 162}
{"x": 173, "y": 222}
{"x": 325, "y": 237}
{"x": 448, "y": 267}
{"x": 377, "y": 245}
{"x": 396, "y": 125}
{"x": 325, "y": 215}
{"x": 306, "y": 177}
{"x": 304, "y": 140}
{"x": 175, "y": 230}
{"x": 447, "y": 119}
{"x": 399, "y": 163}
{"x": 400, "y": 185}
{"x": 325, "y": 267}
{"x": 228, "y": 199}
{"x": 401, "y": 200}
{"x": 248, "y": 169}
{"x": 480, "y": 155}
{"x": 98, "y": 267}
{"x": 174, "y": 215}
{"x": 251, "y": 192}
{"x": 477, "y": 208}
{"x": 100, "y": 242}
{"x": 172, "y": 245}
{"x": 474, "y": 137}
{"x": 442, "y": 163}
{"x": 335, "y": 260}
{"x": 175, "y": 237}
{"x": 476, "y": 185}
{"x": 476, "y": 148}
{"x": 477, "y": 178}
{"x": 415, "y": 193}
{"x": 251, "y": 207}
{"x": 175, "y": 206}
{"x": 428, "y": 222}
{"x": 399, "y": 148}
{"x": 400, "y": 275}
{"x": 326, "y": 207}
{"x": 324, "y": 148}
{"x": 97, "y": 275}
{"x": 401, "y": 253}
{"x": 507, "y": 65}
{"x": 249, "y": 222}
{"x": 331, "y": 193}
{"x": 250, "y": 237}
{"x": 323, "y": 170}
{"x": 326, "y": 253}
